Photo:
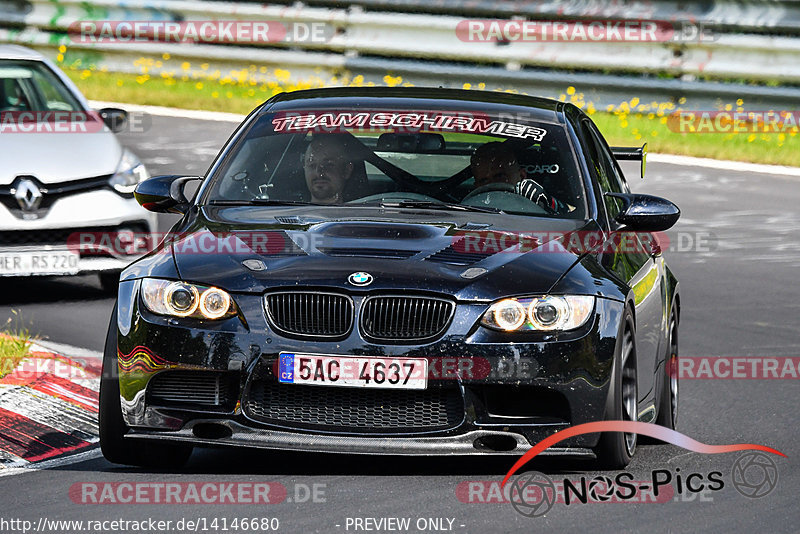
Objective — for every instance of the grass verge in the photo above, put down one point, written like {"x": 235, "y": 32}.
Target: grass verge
{"x": 630, "y": 123}
{"x": 14, "y": 346}
{"x": 635, "y": 129}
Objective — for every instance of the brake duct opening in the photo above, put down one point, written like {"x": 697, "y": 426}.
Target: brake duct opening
{"x": 496, "y": 443}
{"x": 211, "y": 431}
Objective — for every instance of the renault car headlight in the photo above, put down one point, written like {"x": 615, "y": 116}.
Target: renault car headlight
{"x": 181, "y": 299}
{"x": 129, "y": 173}
{"x": 545, "y": 313}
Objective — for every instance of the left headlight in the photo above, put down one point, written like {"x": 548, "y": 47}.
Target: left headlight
{"x": 129, "y": 173}
{"x": 544, "y": 313}
{"x": 181, "y": 299}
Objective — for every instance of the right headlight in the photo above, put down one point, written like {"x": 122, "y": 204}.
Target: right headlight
{"x": 545, "y": 313}
{"x": 130, "y": 171}
{"x": 181, "y": 299}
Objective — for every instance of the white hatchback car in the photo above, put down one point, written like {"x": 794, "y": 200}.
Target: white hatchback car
{"x": 63, "y": 179}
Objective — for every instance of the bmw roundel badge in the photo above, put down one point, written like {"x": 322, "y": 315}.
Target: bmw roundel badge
{"x": 360, "y": 279}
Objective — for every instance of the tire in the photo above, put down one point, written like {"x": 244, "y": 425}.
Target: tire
{"x": 668, "y": 403}
{"x": 616, "y": 449}
{"x": 109, "y": 281}
{"x": 113, "y": 444}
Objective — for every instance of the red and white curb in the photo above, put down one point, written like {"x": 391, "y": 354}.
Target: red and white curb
{"x": 49, "y": 406}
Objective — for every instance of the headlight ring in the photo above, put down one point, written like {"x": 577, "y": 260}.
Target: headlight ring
{"x": 182, "y": 299}
{"x": 539, "y": 313}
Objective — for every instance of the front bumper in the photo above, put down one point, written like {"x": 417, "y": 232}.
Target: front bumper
{"x": 92, "y": 213}
{"x": 86, "y": 264}
{"x": 565, "y": 378}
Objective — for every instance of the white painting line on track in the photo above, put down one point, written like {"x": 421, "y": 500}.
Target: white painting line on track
{"x": 737, "y": 166}
{"x": 217, "y": 116}
{"x": 61, "y": 461}
{"x": 8, "y": 460}
{"x": 69, "y": 350}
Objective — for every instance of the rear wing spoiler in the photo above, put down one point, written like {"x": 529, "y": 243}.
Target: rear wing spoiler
{"x": 628, "y": 153}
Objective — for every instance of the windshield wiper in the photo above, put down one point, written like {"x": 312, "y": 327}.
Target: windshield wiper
{"x": 438, "y": 205}
{"x": 403, "y": 204}
{"x": 260, "y": 202}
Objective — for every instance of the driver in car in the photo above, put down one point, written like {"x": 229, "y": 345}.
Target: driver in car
{"x": 496, "y": 163}
{"x": 327, "y": 168}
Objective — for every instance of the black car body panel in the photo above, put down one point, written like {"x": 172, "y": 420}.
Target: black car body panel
{"x": 497, "y": 392}
{"x": 327, "y": 247}
{"x": 544, "y": 368}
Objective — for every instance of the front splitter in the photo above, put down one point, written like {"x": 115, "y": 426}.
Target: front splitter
{"x": 238, "y": 435}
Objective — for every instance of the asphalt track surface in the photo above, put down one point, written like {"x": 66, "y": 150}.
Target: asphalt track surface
{"x": 740, "y": 298}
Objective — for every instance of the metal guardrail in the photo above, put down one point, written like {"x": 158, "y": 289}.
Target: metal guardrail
{"x": 746, "y": 16}
{"x": 426, "y": 49}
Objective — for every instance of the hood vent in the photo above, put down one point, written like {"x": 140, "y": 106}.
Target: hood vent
{"x": 377, "y": 230}
{"x": 369, "y": 252}
{"x": 290, "y": 219}
{"x": 456, "y": 255}
{"x": 278, "y": 243}
{"x": 473, "y": 226}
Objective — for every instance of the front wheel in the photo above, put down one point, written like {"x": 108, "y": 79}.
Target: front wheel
{"x": 616, "y": 449}
{"x": 113, "y": 444}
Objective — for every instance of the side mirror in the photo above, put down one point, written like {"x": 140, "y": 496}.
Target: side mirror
{"x": 114, "y": 118}
{"x": 164, "y": 194}
{"x": 646, "y": 213}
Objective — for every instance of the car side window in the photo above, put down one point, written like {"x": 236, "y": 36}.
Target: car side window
{"x": 609, "y": 176}
{"x": 615, "y": 175}
{"x": 602, "y": 169}
{"x": 54, "y": 96}
{"x": 13, "y": 96}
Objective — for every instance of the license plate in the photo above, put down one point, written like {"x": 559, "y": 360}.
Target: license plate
{"x": 347, "y": 371}
{"x": 38, "y": 262}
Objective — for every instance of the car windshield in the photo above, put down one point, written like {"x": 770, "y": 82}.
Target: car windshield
{"x": 449, "y": 160}
{"x": 31, "y": 86}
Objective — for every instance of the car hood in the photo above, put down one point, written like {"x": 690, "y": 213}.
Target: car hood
{"x": 401, "y": 248}
{"x": 58, "y": 157}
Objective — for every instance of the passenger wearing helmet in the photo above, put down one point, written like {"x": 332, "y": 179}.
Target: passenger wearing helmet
{"x": 496, "y": 162}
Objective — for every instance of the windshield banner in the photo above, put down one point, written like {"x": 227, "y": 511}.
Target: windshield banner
{"x": 407, "y": 121}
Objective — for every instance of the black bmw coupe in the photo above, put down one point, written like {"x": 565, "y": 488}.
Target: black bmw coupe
{"x": 396, "y": 271}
